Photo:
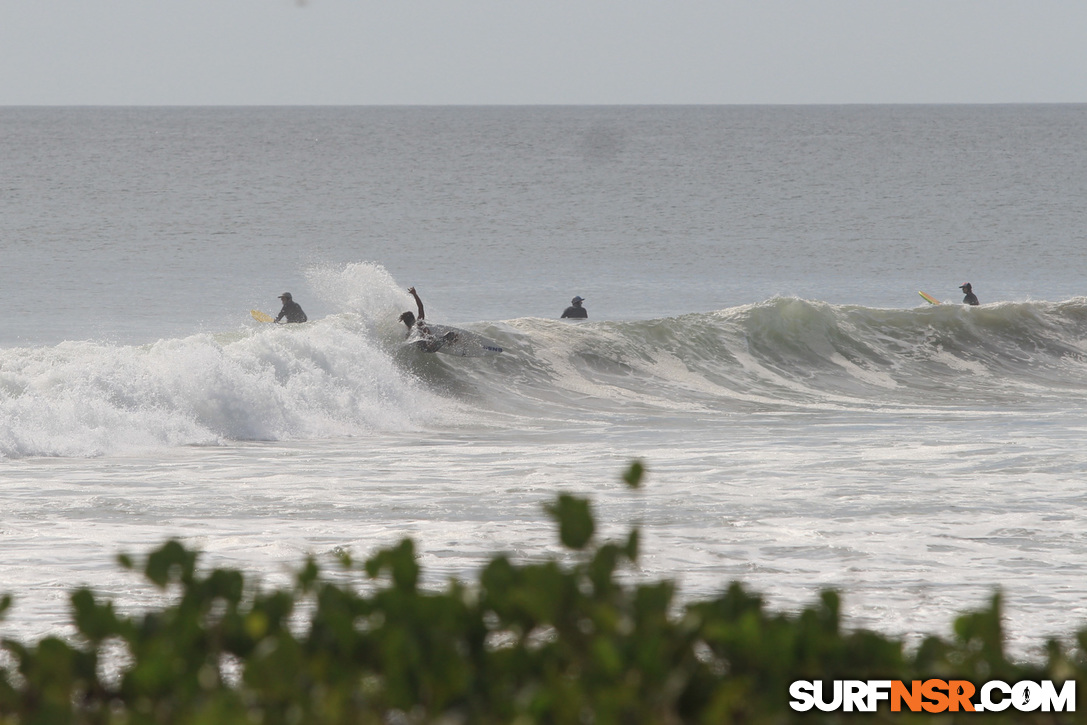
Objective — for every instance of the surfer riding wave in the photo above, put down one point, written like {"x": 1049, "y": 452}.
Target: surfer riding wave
{"x": 429, "y": 342}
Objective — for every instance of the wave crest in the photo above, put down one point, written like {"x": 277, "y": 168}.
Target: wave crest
{"x": 349, "y": 375}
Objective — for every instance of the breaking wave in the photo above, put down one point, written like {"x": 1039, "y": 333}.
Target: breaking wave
{"x": 349, "y": 374}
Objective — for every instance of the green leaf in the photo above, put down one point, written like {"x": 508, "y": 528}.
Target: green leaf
{"x": 632, "y": 547}
{"x": 634, "y": 474}
{"x": 399, "y": 562}
{"x": 171, "y": 562}
{"x": 576, "y": 525}
{"x": 95, "y": 622}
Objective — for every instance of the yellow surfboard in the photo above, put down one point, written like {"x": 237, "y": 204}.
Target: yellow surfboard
{"x": 261, "y": 316}
{"x": 928, "y": 298}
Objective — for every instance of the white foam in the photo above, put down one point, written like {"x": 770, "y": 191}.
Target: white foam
{"x": 328, "y": 378}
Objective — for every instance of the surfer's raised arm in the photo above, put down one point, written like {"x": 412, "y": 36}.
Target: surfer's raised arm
{"x": 418, "y": 302}
{"x": 408, "y": 318}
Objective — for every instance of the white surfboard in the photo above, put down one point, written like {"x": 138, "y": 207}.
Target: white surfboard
{"x": 452, "y": 341}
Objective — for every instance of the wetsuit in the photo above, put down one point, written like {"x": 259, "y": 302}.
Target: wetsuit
{"x": 292, "y": 311}
{"x": 970, "y": 299}
{"x": 576, "y": 312}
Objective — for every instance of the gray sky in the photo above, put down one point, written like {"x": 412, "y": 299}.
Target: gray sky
{"x": 351, "y": 52}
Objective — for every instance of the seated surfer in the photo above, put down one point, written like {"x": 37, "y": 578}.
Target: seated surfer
{"x": 429, "y": 342}
{"x": 575, "y": 310}
{"x": 291, "y": 309}
{"x": 971, "y": 298}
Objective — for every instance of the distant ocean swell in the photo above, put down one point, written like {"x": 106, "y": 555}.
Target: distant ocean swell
{"x": 348, "y": 375}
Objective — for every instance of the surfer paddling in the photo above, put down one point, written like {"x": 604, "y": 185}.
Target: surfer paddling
{"x": 417, "y": 325}
{"x": 970, "y": 298}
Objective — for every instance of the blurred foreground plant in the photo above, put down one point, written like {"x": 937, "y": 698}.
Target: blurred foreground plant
{"x": 547, "y": 642}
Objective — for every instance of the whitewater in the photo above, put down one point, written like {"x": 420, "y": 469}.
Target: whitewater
{"x": 755, "y": 337}
{"x": 350, "y": 374}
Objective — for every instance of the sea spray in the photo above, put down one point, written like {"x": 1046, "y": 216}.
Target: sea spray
{"x": 325, "y": 379}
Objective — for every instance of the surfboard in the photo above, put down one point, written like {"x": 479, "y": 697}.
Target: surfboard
{"x": 452, "y": 341}
{"x": 261, "y": 316}
{"x": 928, "y": 298}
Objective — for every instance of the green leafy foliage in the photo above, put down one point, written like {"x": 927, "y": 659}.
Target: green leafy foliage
{"x": 634, "y": 474}
{"x": 574, "y": 641}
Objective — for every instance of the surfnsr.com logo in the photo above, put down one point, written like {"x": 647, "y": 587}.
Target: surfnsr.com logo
{"x": 932, "y": 696}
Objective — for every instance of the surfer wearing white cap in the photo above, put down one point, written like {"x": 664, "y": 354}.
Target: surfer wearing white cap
{"x": 971, "y": 298}
{"x": 575, "y": 310}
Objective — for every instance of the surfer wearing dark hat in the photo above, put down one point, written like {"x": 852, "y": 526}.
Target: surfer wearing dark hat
{"x": 575, "y": 311}
{"x": 291, "y": 309}
{"x": 970, "y": 298}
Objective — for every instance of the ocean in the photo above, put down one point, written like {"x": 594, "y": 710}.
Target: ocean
{"x": 755, "y": 336}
